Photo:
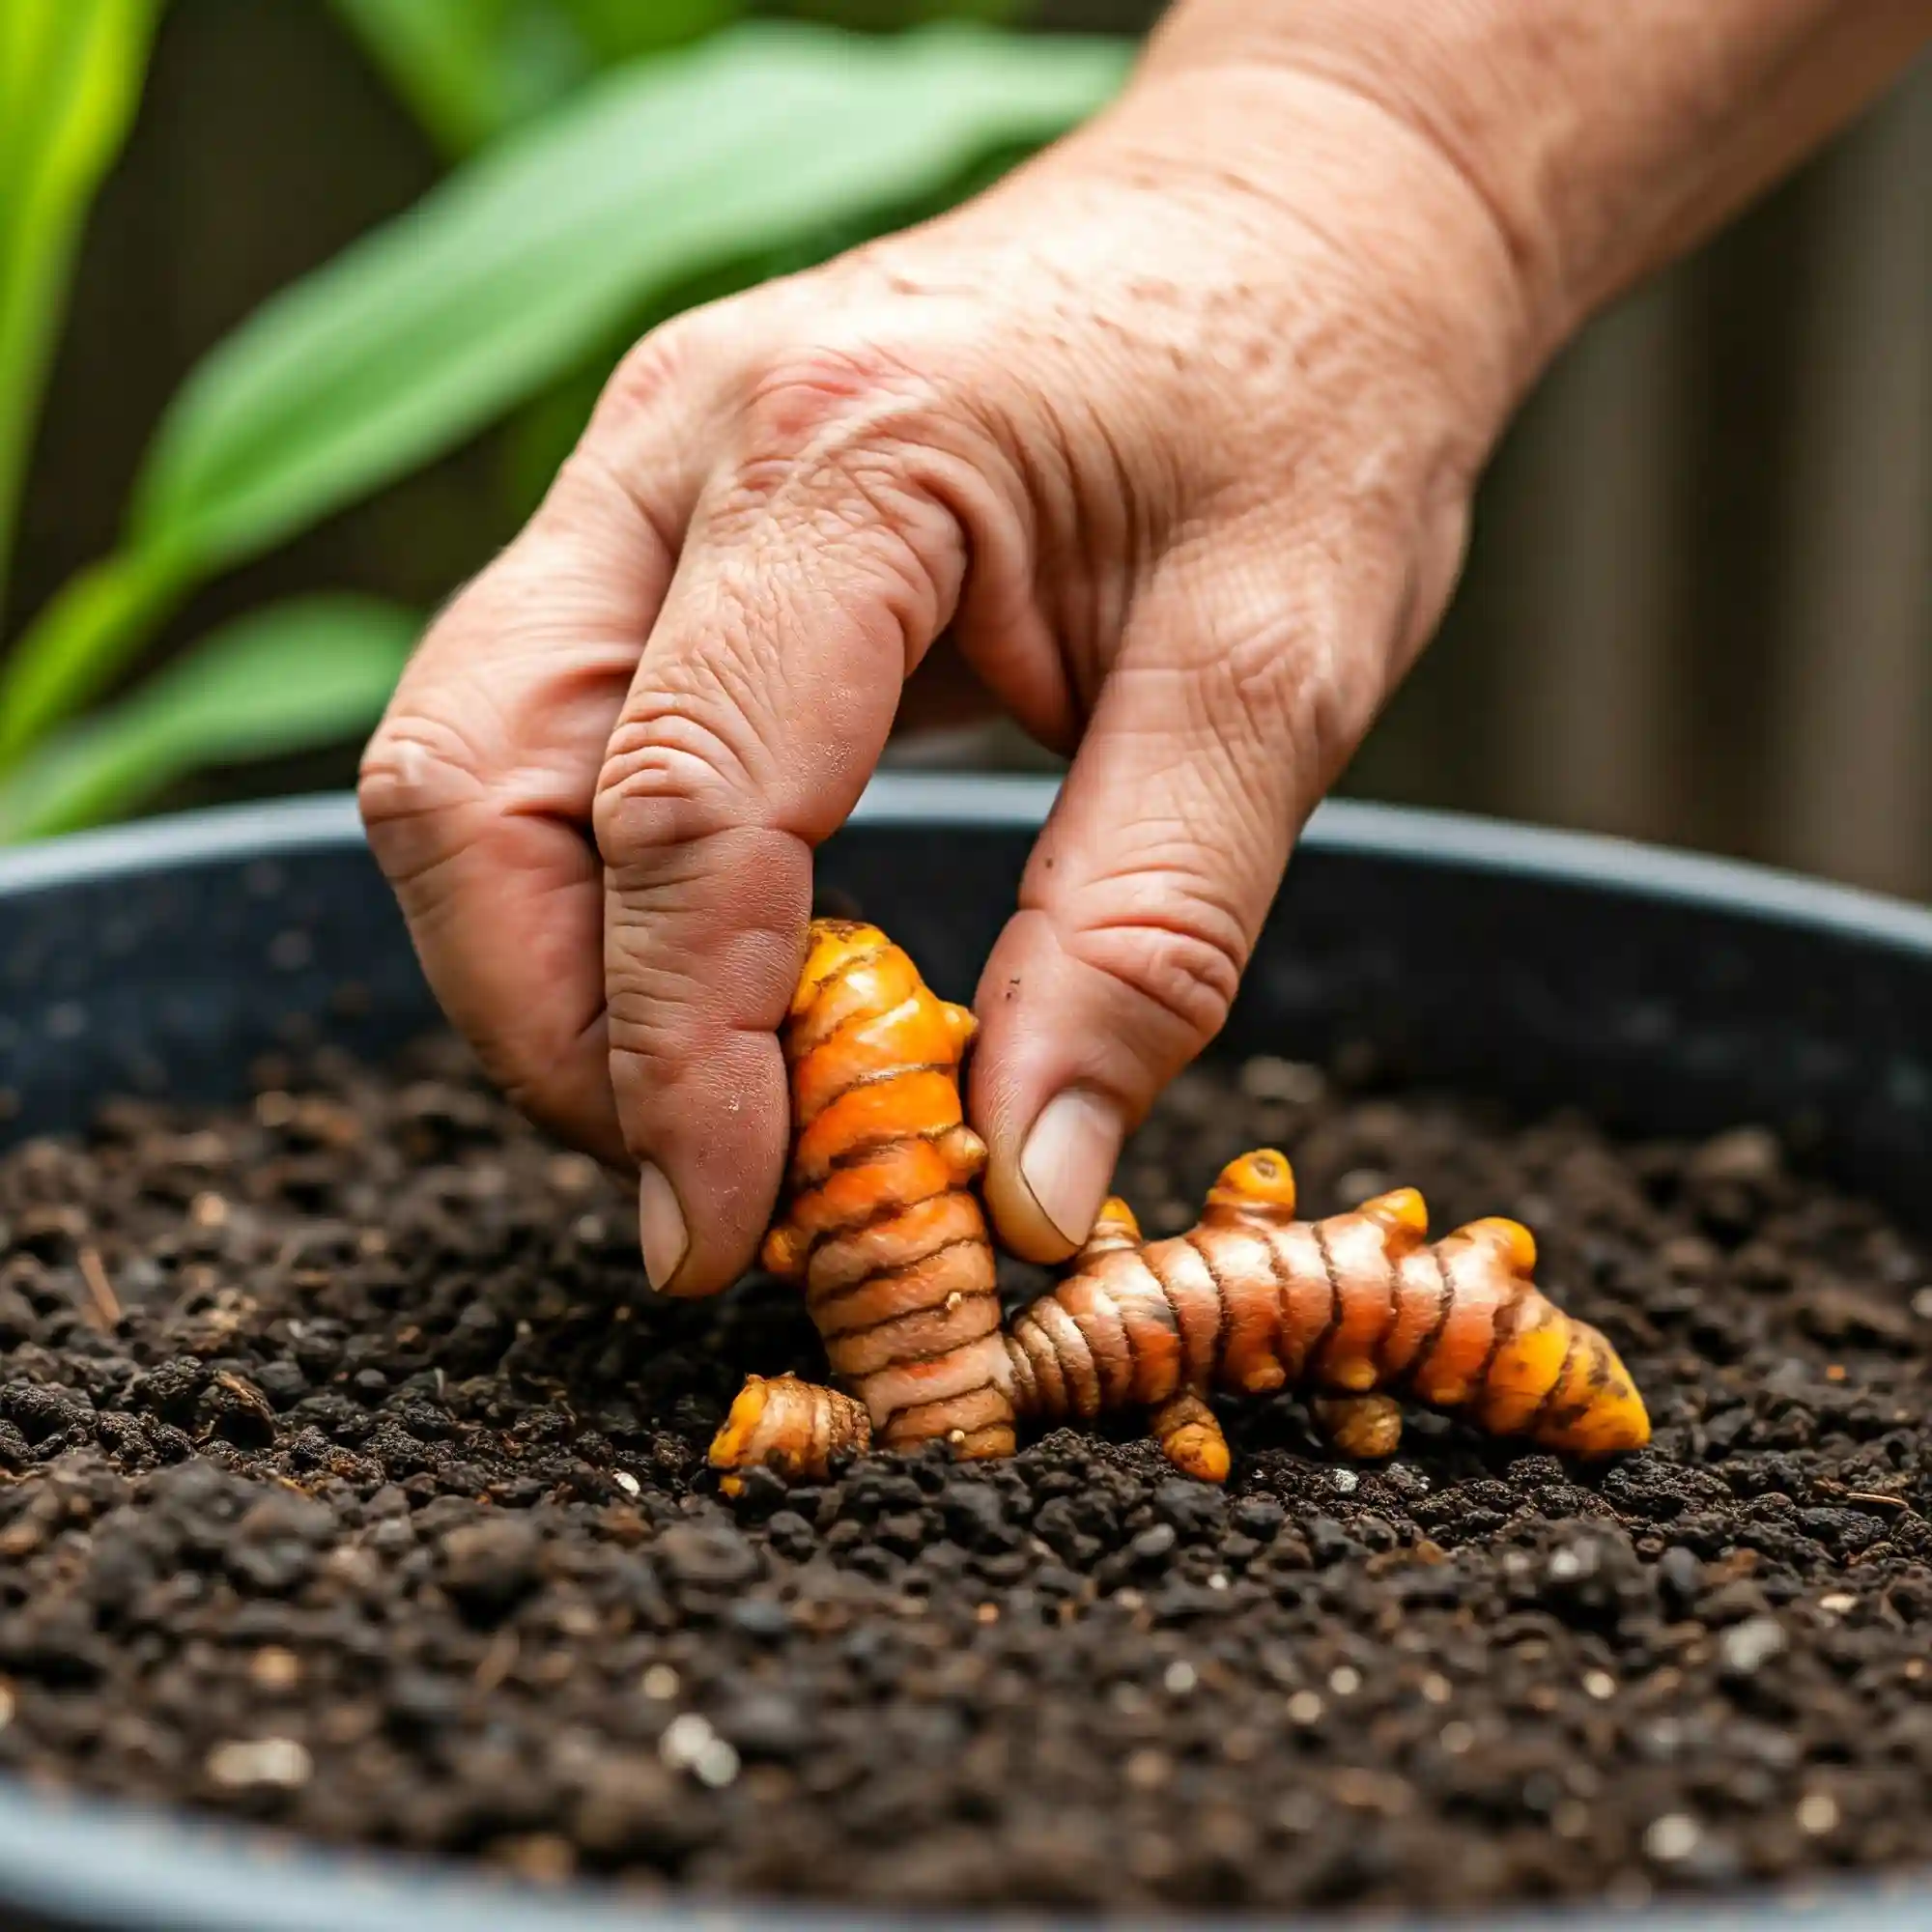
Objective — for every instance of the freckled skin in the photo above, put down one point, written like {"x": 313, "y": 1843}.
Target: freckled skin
{"x": 882, "y": 1227}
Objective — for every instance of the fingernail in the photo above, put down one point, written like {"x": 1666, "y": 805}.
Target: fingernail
{"x": 1068, "y": 1163}
{"x": 660, "y": 1230}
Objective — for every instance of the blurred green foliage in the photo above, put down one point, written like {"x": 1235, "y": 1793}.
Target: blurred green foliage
{"x": 611, "y": 162}
{"x": 70, "y": 76}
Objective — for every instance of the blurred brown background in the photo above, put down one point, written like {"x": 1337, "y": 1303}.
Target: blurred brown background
{"x": 1700, "y": 606}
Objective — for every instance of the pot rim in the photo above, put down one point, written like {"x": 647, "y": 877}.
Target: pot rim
{"x": 107, "y": 1862}
{"x": 1585, "y": 860}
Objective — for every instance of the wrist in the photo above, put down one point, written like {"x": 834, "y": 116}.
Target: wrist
{"x": 1444, "y": 81}
{"x": 1603, "y": 140}
{"x": 1303, "y": 180}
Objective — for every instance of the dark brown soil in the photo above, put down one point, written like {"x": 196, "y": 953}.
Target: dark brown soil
{"x": 380, "y": 1513}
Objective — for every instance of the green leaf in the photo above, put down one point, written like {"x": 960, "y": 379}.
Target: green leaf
{"x": 884, "y": 16}
{"x": 294, "y": 677}
{"x": 81, "y": 639}
{"x": 619, "y": 29}
{"x": 517, "y": 269}
{"x": 71, "y": 73}
{"x": 470, "y": 69}
{"x": 428, "y": 330}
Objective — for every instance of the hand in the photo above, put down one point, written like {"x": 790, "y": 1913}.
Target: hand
{"x": 1172, "y": 434}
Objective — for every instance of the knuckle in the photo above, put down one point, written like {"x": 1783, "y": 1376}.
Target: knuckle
{"x": 848, "y": 447}
{"x": 1182, "y": 957}
{"x": 417, "y": 772}
{"x": 659, "y": 365}
{"x": 1297, "y": 652}
{"x": 653, "y": 1006}
{"x": 825, "y": 391}
{"x": 670, "y": 779}
{"x": 849, "y": 428}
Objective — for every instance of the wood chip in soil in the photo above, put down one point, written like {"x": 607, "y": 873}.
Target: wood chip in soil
{"x": 348, "y": 1483}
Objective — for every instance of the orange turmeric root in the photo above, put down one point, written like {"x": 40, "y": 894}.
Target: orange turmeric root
{"x": 1359, "y": 1308}
{"x": 790, "y": 1426}
{"x": 880, "y": 1221}
{"x": 881, "y": 1224}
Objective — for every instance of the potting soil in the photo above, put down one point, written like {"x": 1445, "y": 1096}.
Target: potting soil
{"x": 353, "y": 1483}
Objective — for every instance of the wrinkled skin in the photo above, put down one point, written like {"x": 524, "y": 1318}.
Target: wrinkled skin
{"x": 1169, "y": 442}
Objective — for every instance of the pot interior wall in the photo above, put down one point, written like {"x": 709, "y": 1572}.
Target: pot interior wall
{"x": 1481, "y": 960}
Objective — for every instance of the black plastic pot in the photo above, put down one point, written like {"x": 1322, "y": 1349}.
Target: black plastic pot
{"x": 1663, "y": 993}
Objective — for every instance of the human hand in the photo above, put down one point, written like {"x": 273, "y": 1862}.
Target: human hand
{"x": 1173, "y": 433}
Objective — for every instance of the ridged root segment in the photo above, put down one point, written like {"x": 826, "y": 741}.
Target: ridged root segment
{"x": 793, "y": 1428}
{"x": 1356, "y": 1308}
{"x": 1524, "y": 1367}
{"x": 880, "y": 1221}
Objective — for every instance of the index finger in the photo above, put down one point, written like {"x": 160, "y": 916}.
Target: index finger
{"x": 817, "y": 570}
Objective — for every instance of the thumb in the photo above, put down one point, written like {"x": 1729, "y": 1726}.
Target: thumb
{"x": 1226, "y": 716}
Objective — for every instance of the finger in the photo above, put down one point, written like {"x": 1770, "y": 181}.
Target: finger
{"x": 1233, "y": 705}
{"x": 816, "y": 575}
{"x": 477, "y": 790}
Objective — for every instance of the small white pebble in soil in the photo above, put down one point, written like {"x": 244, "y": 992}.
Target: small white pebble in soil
{"x": 627, "y": 1482}
{"x": 1456, "y": 1738}
{"x": 1599, "y": 1685}
{"x": 1840, "y": 1603}
{"x": 208, "y": 1211}
{"x": 1750, "y": 1645}
{"x": 1345, "y": 1680}
{"x": 1817, "y": 1813}
{"x": 1289, "y": 1081}
{"x": 659, "y": 1683}
{"x": 1565, "y": 1566}
{"x": 281, "y": 1762}
{"x": 1304, "y": 1708}
{"x": 1361, "y": 1183}
{"x": 715, "y": 1765}
{"x": 543, "y": 1857}
{"x": 273, "y": 1668}
{"x": 571, "y": 1173}
{"x": 1347, "y": 1482}
{"x": 1180, "y": 1677}
{"x": 1672, "y": 1838}
{"x": 1922, "y": 1304}
{"x": 686, "y": 1739}
{"x": 1298, "y": 1812}
{"x": 1218, "y": 1582}
{"x": 1148, "y": 1769}
{"x": 1437, "y": 1688}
